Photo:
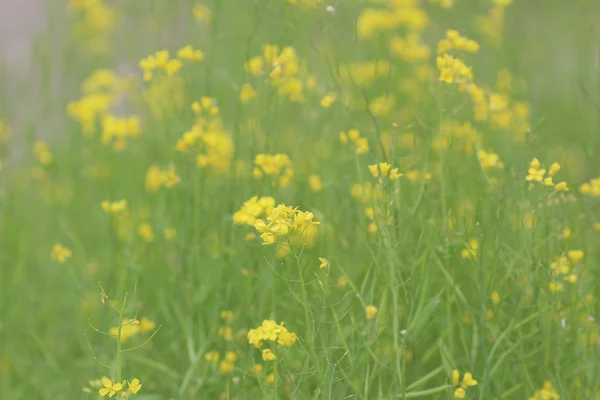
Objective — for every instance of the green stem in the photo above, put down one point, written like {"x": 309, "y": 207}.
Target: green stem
{"x": 422, "y": 393}
{"x": 309, "y": 331}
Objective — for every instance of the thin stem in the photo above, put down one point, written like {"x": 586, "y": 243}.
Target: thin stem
{"x": 422, "y": 393}
{"x": 309, "y": 332}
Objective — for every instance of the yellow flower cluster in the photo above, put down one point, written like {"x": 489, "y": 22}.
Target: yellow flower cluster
{"x": 208, "y": 139}
{"x": 466, "y": 383}
{"x": 371, "y": 21}
{"x": 226, "y": 365}
{"x": 94, "y": 22}
{"x": 561, "y": 268}
{"x": 278, "y": 166}
{"x": 547, "y": 392}
{"x": 253, "y": 209}
{"x": 454, "y": 41}
{"x": 108, "y": 387}
{"x": 100, "y": 90}
{"x": 591, "y": 188}
{"x": 283, "y": 221}
{"x": 269, "y": 330}
{"x": 412, "y": 48}
{"x": 284, "y": 69}
{"x": 162, "y": 61}
{"x": 202, "y": 13}
{"x": 384, "y": 169}
{"x": 489, "y": 160}
{"x": 132, "y": 327}
{"x": 60, "y": 253}
{"x": 536, "y": 173}
{"x": 462, "y": 136}
{"x": 42, "y": 152}
{"x": 114, "y": 207}
{"x": 364, "y": 73}
{"x": 157, "y": 178}
{"x": 117, "y": 130}
{"x": 361, "y": 144}
{"x": 453, "y": 69}
{"x": 471, "y": 250}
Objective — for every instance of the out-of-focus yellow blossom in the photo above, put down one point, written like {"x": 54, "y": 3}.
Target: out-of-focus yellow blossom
{"x": 471, "y": 250}
{"x": 42, "y": 152}
{"x": 145, "y": 231}
{"x": 130, "y": 328}
{"x": 169, "y": 233}
{"x": 328, "y": 100}
{"x": 371, "y": 312}
{"x": 371, "y": 21}
{"x": 342, "y": 282}
{"x": 157, "y": 178}
{"x": 489, "y": 160}
{"x": 116, "y": 131}
{"x": 324, "y": 262}
{"x": 591, "y": 188}
{"x": 247, "y": 93}
{"x": 385, "y": 170}
{"x": 188, "y": 53}
{"x": 257, "y": 369}
{"x": 277, "y": 166}
{"x": 364, "y": 73}
{"x": 361, "y": 144}
{"x": 212, "y": 357}
{"x": 547, "y": 392}
{"x": 315, "y": 183}
{"x": 453, "y": 69}
{"x": 202, "y": 13}
{"x": 114, "y": 207}
{"x": 412, "y": 48}
{"x": 495, "y": 297}
{"x": 60, "y": 253}
{"x": 227, "y": 315}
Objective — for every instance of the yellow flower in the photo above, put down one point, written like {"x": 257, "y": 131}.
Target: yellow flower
{"x": 114, "y": 207}
{"x": 169, "y": 233}
{"x": 247, "y": 93}
{"x": 561, "y": 187}
{"x": 202, "y": 13}
{"x": 268, "y": 355}
{"x": 371, "y": 312}
{"x": 324, "y": 262}
{"x": 145, "y": 231}
{"x": 225, "y": 367}
{"x": 134, "y": 386}
{"x": 110, "y": 388}
{"x": 60, "y": 253}
{"x": 227, "y": 315}
{"x": 315, "y": 184}
{"x": 495, "y": 297}
{"x": 460, "y": 393}
{"x": 327, "y": 101}
{"x": 257, "y": 369}
{"x": 212, "y": 357}
{"x": 575, "y": 255}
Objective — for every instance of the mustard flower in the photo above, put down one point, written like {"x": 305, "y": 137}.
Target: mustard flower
{"x": 268, "y": 355}
{"x": 134, "y": 386}
{"x": 575, "y": 255}
{"x": 315, "y": 183}
{"x": 328, "y": 100}
{"x": 60, "y": 253}
{"x": 110, "y": 388}
{"x": 467, "y": 382}
{"x": 114, "y": 207}
{"x": 324, "y": 262}
{"x": 371, "y": 312}
{"x": 225, "y": 367}
{"x": 247, "y": 93}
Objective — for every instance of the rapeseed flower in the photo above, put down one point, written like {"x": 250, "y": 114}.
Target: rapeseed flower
{"x": 60, "y": 253}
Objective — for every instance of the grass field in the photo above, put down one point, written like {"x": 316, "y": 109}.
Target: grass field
{"x": 271, "y": 199}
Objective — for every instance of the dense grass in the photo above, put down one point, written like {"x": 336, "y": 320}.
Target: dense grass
{"x": 462, "y": 263}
